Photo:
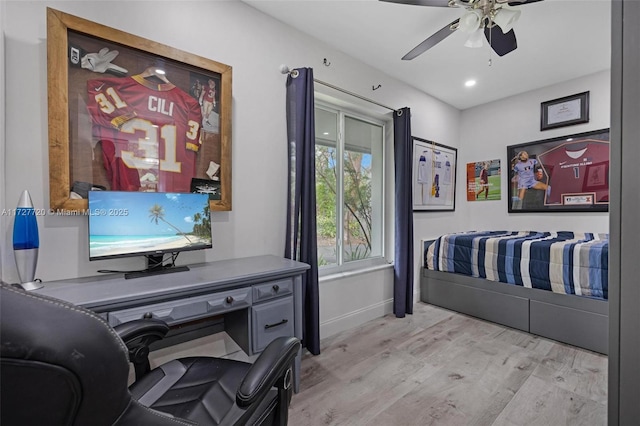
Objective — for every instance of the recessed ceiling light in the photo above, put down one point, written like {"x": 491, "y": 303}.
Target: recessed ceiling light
{"x": 325, "y": 133}
{"x": 470, "y": 83}
{"x": 569, "y": 139}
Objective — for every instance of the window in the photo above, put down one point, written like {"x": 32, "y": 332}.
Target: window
{"x": 349, "y": 188}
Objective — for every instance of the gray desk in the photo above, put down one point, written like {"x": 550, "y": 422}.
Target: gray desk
{"x": 259, "y": 297}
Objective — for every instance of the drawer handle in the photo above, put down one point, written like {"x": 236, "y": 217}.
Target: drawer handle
{"x": 284, "y": 321}
{"x": 229, "y": 299}
{"x": 276, "y": 287}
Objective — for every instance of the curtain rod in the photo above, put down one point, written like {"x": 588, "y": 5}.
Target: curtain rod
{"x": 352, "y": 94}
{"x": 284, "y": 69}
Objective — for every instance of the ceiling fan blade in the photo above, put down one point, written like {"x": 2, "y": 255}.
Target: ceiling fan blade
{"x": 500, "y": 42}
{"x": 521, "y": 2}
{"x": 430, "y": 42}
{"x": 436, "y": 3}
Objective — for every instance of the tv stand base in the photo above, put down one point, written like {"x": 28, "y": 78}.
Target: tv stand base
{"x": 155, "y": 271}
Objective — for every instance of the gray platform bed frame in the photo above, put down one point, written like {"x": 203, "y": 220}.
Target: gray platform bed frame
{"x": 575, "y": 320}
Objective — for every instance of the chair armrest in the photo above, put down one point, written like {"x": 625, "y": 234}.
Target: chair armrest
{"x": 139, "y": 329}
{"x": 267, "y": 370}
{"x": 137, "y": 335}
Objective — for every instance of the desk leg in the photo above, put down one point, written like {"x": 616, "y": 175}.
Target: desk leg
{"x": 297, "y": 329}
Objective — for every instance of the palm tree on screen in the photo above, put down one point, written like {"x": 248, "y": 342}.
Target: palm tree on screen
{"x": 156, "y": 213}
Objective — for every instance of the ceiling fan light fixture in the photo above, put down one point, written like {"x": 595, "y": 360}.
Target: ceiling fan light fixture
{"x": 476, "y": 39}
{"x": 505, "y": 18}
{"x": 470, "y": 21}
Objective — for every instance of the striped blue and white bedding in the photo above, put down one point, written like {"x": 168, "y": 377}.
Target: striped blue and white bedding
{"x": 562, "y": 262}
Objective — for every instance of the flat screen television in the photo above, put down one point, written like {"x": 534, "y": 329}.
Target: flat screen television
{"x": 150, "y": 224}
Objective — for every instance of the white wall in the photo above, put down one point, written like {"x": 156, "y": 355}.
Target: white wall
{"x": 254, "y": 45}
{"x": 2, "y": 134}
{"x": 487, "y": 130}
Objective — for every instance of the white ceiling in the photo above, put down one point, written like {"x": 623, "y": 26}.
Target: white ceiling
{"x": 558, "y": 40}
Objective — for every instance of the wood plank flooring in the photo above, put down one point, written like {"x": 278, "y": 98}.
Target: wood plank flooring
{"x": 438, "y": 367}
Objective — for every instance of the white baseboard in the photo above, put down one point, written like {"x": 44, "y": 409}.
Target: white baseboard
{"x": 360, "y": 316}
{"x": 355, "y": 318}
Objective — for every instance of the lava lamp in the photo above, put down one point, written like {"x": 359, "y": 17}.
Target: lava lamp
{"x": 26, "y": 242}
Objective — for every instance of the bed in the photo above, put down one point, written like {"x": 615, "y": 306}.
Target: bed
{"x": 552, "y": 284}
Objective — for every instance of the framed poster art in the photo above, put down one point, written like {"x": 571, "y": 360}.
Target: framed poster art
{"x": 565, "y": 111}
{"x": 131, "y": 114}
{"x": 483, "y": 180}
{"x": 434, "y": 176}
{"x": 563, "y": 174}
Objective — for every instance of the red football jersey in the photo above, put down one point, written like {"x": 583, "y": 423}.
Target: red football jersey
{"x": 577, "y": 167}
{"x": 150, "y": 133}
{"x": 209, "y": 94}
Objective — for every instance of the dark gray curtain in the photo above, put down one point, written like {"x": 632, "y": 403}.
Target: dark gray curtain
{"x": 301, "y": 243}
{"x": 403, "y": 259}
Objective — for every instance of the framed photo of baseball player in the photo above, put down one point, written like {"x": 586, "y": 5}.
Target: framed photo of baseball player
{"x": 563, "y": 174}
{"x": 434, "y": 176}
{"x": 131, "y": 114}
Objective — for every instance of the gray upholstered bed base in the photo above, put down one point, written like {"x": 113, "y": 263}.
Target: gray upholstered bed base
{"x": 575, "y": 320}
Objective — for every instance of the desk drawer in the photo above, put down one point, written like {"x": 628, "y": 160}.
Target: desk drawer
{"x": 270, "y": 320}
{"x": 189, "y": 309}
{"x": 272, "y": 289}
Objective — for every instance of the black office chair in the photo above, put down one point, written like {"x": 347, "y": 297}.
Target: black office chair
{"x": 64, "y": 365}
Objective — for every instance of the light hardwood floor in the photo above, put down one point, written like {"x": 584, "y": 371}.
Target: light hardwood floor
{"x": 438, "y": 367}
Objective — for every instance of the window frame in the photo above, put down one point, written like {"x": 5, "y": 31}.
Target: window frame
{"x": 374, "y": 261}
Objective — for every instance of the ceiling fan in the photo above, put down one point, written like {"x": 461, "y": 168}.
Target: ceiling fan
{"x": 494, "y": 18}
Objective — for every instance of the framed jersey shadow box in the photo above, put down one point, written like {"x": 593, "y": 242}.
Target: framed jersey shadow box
{"x": 563, "y": 174}
{"x": 130, "y": 114}
{"x": 434, "y": 176}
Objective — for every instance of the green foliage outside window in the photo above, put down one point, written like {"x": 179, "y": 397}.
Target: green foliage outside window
{"x": 356, "y": 197}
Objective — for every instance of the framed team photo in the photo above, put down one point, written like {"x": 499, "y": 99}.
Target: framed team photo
{"x": 563, "y": 174}
{"x": 434, "y": 176}
{"x": 131, "y": 114}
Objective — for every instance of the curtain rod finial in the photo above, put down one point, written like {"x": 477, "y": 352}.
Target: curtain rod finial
{"x": 284, "y": 69}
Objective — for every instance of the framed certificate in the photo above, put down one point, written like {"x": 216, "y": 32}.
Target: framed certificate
{"x": 565, "y": 111}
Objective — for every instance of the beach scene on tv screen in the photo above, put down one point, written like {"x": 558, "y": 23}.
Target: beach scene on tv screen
{"x": 127, "y": 223}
